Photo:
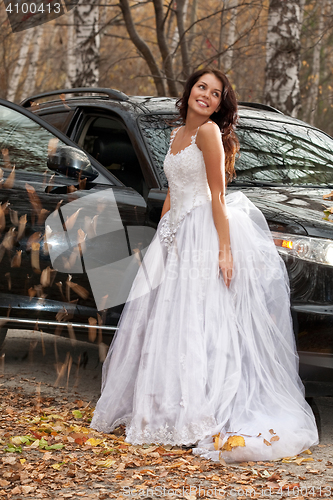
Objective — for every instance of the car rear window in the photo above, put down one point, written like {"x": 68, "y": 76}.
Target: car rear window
{"x": 284, "y": 153}
{"x": 271, "y": 152}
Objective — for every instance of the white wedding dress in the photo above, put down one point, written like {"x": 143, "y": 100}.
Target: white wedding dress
{"x": 193, "y": 359}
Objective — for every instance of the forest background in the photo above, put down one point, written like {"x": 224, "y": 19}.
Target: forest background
{"x": 276, "y": 52}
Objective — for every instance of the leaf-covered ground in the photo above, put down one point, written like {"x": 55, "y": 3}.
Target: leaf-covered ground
{"x": 47, "y": 450}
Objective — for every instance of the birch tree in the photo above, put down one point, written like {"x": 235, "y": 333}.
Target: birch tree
{"x": 311, "y": 107}
{"x": 181, "y": 11}
{"x": 282, "y": 87}
{"x": 83, "y": 45}
{"x": 231, "y": 37}
{"x": 30, "y": 80}
{"x": 21, "y": 61}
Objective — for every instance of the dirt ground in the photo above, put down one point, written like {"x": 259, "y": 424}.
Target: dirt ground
{"x": 47, "y": 450}
{"x": 48, "y": 389}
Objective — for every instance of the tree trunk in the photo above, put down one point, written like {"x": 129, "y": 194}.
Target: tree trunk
{"x": 22, "y": 59}
{"x": 181, "y": 13}
{"x": 164, "y": 49}
{"x": 84, "y": 59}
{"x": 194, "y": 17}
{"x": 232, "y": 5}
{"x": 142, "y": 47}
{"x": 30, "y": 81}
{"x": 71, "y": 58}
{"x": 220, "y": 57}
{"x": 282, "y": 89}
{"x": 314, "y": 83}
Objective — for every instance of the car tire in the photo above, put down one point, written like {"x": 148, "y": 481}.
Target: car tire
{"x": 3, "y": 333}
{"x": 316, "y": 413}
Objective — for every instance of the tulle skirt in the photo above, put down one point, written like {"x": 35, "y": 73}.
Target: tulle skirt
{"x": 194, "y": 362}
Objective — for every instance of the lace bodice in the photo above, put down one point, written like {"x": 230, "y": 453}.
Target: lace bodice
{"x": 189, "y": 188}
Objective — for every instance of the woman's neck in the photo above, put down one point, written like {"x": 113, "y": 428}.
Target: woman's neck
{"x": 193, "y": 121}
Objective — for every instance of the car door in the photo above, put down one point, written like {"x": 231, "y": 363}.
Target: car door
{"x": 71, "y": 239}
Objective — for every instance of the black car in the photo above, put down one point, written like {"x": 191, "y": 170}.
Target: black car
{"x": 82, "y": 188}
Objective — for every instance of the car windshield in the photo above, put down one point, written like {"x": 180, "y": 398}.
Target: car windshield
{"x": 271, "y": 152}
{"x": 156, "y": 130}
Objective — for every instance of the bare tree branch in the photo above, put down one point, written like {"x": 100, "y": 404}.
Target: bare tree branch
{"x": 142, "y": 47}
{"x": 163, "y": 46}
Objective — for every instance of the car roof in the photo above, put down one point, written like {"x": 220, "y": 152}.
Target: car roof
{"x": 138, "y": 105}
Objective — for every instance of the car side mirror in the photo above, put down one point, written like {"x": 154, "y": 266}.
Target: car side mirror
{"x": 69, "y": 161}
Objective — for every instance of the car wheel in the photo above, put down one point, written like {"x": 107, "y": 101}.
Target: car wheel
{"x": 3, "y": 333}
{"x": 316, "y": 413}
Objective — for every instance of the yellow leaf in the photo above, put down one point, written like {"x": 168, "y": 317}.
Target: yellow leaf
{"x": 23, "y": 460}
{"x": 232, "y": 442}
{"x": 56, "y": 466}
{"x": 308, "y": 452}
{"x": 217, "y": 441}
{"x": 35, "y": 444}
{"x": 303, "y": 459}
{"x": 94, "y": 442}
{"x": 287, "y": 460}
{"x": 78, "y": 428}
{"x": 16, "y": 440}
{"x": 106, "y": 463}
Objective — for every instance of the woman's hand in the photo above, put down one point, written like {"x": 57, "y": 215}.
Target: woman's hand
{"x": 226, "y": 266}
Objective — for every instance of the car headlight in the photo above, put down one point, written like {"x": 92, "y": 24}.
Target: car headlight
{"x": 317, "y": 250}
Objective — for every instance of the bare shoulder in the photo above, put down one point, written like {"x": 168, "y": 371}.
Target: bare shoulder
{"x": 209, "y": 134}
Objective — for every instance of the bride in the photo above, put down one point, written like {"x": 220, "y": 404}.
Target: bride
{"x": 205, "y": 353}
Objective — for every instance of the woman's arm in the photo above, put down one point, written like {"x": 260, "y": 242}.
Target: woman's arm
{"x": 166, "y": 205}
{"x": 210, "y": 142}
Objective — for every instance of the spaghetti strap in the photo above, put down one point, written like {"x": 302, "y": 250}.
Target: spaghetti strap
{"x": 173, "y": 135}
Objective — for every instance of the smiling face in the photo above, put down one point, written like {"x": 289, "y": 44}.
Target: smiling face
{"x": 205, "y": 95}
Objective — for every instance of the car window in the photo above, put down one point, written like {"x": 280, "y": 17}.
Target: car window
{"x": 284, "y": 153}
{"x": 24, "y": 143}
{"x": 107, "y": 140}
{"x": 59, "y": 120}
{"x": 156, "y": 130}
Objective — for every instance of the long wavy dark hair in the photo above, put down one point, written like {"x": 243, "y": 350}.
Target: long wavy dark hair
{"x": 226, "y": 117}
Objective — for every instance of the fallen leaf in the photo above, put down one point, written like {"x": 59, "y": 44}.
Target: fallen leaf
{"x": 94, "y": 442}
{"x": 57, "y": 466}
{"x": 77, "y": 414}
{"x": 9, "y": 182}
{"x": 26, "y": 489}
{"x": 16, "y": 491}
{"x": 105, "y": 463}
{"x": 303, "y": 459}
{"x": 232, "y": 442}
